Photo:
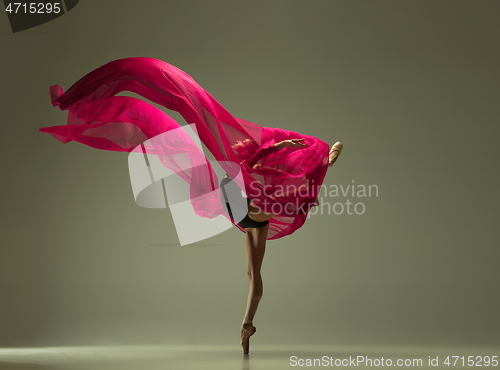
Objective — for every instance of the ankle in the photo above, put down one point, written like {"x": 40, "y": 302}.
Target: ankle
{"x": 246, "y": 324}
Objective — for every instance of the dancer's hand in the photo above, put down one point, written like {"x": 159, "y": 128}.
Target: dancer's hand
{"x": 293, "y": 143}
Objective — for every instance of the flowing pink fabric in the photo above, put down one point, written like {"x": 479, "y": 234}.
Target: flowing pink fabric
{"x": 286, "y": 182}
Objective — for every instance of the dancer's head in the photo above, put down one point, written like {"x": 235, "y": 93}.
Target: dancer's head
{"x": 244, "y": 149}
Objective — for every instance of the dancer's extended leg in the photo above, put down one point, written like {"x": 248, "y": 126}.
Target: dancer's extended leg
{"x": 334, "y": 153}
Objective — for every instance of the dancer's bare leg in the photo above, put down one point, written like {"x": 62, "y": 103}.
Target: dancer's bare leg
{"x": 255, "y": 247}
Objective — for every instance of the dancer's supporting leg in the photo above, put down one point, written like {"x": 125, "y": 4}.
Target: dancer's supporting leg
{"x": 255, "y": 247}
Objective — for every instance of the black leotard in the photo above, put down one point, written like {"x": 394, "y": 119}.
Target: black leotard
{"x": 227, "y": 186}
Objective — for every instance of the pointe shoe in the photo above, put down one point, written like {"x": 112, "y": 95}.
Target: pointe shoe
{"x": 245, "y": 338}
{"x": 337, "y": 147}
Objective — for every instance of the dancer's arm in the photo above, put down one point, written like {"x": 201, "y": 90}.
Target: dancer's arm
{"x": 269, "y": 149}
{"x": 259, "y": 154}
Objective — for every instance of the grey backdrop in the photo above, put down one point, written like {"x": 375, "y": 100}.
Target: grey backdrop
{"x": 409, "y": 87}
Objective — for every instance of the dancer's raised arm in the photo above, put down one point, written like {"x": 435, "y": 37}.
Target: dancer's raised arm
{"x": 269, "y": 149}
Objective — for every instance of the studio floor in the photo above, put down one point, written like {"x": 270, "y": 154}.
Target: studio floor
{"x": 222, "y": 358}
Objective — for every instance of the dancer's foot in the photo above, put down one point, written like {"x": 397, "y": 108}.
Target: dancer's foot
{"x": 334, "y": 153}
{"x": 247, "y": 330}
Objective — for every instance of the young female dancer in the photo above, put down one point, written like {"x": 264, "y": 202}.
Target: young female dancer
{"x": 270, "y": 158}
{"x": 256, "y": 225}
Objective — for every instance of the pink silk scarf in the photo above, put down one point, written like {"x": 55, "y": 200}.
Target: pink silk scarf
{"x": 286, "y": 182}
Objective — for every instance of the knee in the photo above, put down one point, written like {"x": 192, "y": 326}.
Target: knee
{"x": 254, "y": 278}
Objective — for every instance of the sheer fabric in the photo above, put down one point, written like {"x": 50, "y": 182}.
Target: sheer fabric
{"x": 284, "y": 182}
